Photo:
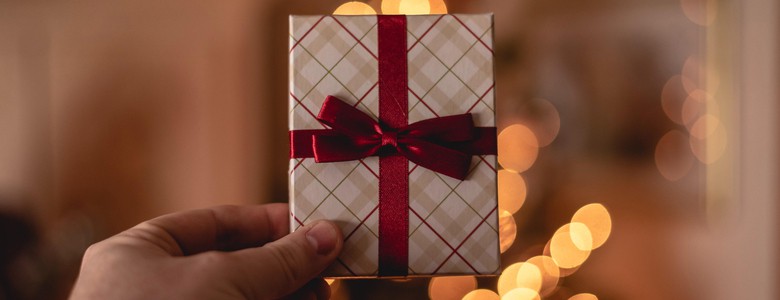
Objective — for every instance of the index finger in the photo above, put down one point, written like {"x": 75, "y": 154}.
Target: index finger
{"x": 223, "y": 228}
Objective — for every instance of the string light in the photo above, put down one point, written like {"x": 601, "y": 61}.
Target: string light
{"x": 507, "y": 230}
{"x": 521, "y": 294}
{"x": 549, "y": 273}
{"x": 517, "y": 148}
{"x": 673, "y": 159}
{"x": 414, "y": 7}
{"x": 481, "y": 294}
{"x": 584, "y": 296}
{"x": 354, "y": 8}
{"x": 451, "y": 287}
{"x": 512, "y": 193}
{"x": 598, "y": 223}
{"x": 564, "y": 251}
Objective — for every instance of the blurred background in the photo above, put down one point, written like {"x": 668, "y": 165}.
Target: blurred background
{"x": 638, "y": 139}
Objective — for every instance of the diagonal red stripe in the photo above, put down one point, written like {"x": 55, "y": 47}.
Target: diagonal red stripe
{"x": 305, "y": 34}
{"x": 345, "y": 266}
{"x": 366, "y": 94}
{"x": 423, "y": 102}
{"x": 472, "y": 33}
{"x": 482, "y": 157}
{"x": 306, "y": 108}
{"x": 361, "y": 223}
{"x": 455, "y": 251}
{"x": 354, "y": 37}
{"x": 425, "y": 33}
{"x": 297, "y": 165}
{"x": 480, "y": 98}
{"x": 369, "y": 168}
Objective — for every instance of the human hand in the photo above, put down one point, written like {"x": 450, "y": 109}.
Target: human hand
{"x": 225, "y": 252}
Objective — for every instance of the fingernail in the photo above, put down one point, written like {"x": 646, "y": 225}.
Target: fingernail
{"x": 322, "y": 237}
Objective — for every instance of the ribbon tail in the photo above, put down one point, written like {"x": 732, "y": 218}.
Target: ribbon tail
{"x": 437, "y": 158}
{"x": 333, "y": 148}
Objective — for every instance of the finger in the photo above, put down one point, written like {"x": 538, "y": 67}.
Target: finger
{"x": 218, "y": 228}
{"x": 283, "y": 266}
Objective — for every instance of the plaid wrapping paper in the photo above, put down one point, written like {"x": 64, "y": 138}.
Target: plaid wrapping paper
{"x": 453, "y": 225}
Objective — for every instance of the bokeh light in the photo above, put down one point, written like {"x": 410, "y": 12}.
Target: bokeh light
{"x": 517, "y": 148}
{"x": 438, "y": 7}
{"x": 581, "y": 237}
{"x": 549, "y": 271}
{"x": 712, "y": 148}
{"x": 390, "y": 7}
{"x": 700, "y": 12}
{"x": 508, "y": 279}
{"x": 705, "y": 126}
{"x": 693, "y": 72}
{"x": 481, "y": 294}
{"x": 451, "y": 287}
{"x": 414, "y": 7}
{"x": 697, "y": 104}
{"x": 563, "y": 250}
{"x": 354, "y": 8}
{"x": 597, "y": 220}
{"x": 673, "y": 159}
{"x": 584, "y": 296}
{"x": 521, "y": 294}
{"x": 673, "y": 95}
{"x": 511, "y": 191}
{"x": 529, "y": 276}
{"x": 543, "y": 118}
{"x": 507, "y": 230}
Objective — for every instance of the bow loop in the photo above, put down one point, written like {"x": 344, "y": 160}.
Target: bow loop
{"x": 426, "y": 143}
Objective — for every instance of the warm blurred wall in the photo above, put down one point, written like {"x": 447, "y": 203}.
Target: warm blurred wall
{"x": 124, "y": 110}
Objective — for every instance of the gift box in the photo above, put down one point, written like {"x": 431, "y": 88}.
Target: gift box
{"x": 392, "y": 136}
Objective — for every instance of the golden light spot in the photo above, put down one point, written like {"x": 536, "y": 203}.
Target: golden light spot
{"x": 672, "y": 157}
{"x": 517, "y": 148}
{"x": 507, "y": 230}
{"x": 508, "y": 279}
{"x": 354, "y": 8}
{"x": 451, "y": 287}
{"x": 563, "y": 250}
{"x": 705, "y": 126}
{"x": 521, "y": 294}
{"x": 700, "y": 12}
{"x": 597, "y": 220}
{"x": 542, "y": 117}
{"x": 673, "y": 95}
{"x": 414, "y": 7}
{"x": 529, "y": 276}
{"x": 481, "y": 294}
{"x": 693, "y": 71}
{"x": 390, "y": 7}
{"x": 581, "y": 236}
{"x": 563, "y": 272}
{"x": 330, "y": 280}
{"x": 712, "y": 148}
{"x": 511, "y": 191}
{"x": 584, "y": 296}
{"x": 549, "y": 271}
{"x": 438, "y": 7}
{"x": 697, "y": 104}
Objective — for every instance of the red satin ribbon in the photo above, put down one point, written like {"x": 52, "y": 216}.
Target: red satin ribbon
{"x": 443, "y": 144}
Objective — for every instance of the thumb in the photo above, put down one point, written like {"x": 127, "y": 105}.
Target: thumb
{"x": 287, "y": 264}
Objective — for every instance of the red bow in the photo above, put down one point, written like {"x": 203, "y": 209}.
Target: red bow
{"x": 443, "y": 144}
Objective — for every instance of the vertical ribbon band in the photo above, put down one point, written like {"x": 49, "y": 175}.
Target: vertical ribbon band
{"x": 393, "y": 169}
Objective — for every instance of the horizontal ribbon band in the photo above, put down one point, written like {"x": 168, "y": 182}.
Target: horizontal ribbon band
{"x": 442, "y": 144}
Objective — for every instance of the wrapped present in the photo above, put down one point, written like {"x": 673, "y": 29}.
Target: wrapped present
{"x": 392, "y": 136}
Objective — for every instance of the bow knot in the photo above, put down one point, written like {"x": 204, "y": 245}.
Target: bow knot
{"x": 440, "y": 144}
{"x": 390, "y": 137}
